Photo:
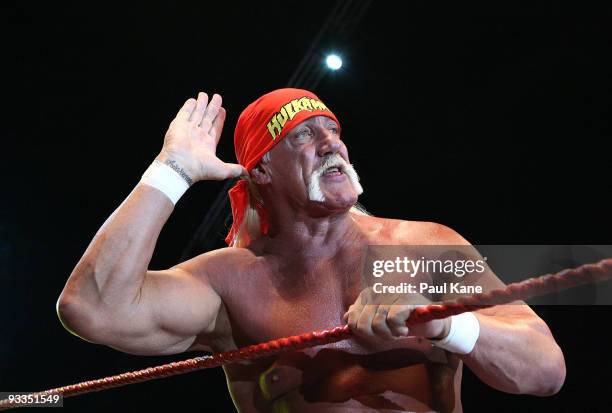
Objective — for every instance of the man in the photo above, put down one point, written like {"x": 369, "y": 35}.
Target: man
{"x": 294, "y": 267}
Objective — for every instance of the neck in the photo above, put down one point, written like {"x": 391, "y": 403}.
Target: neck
{"x": 298, "y": 233}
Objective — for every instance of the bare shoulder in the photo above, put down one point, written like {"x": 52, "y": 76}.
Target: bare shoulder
{"x": 397, "y": 231}
{"x": 216, "y": 265}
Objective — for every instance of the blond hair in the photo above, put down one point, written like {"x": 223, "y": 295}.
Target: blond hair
{"x": 250, "y": 229}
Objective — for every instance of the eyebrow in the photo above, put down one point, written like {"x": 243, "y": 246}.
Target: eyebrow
{"x": 330, "y": 121}
{"x": 312, "y": 122}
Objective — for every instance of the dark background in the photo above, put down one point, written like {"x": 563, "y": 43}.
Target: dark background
{"x": 492, "y": 120}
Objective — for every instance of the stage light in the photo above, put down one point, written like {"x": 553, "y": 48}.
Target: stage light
{"x": 334, "y": 62}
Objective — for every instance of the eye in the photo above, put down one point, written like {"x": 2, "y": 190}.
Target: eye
{"x": 334, "y": 128}
{"x": 304, "y": 133}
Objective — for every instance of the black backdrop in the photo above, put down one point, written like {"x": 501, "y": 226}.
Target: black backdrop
{"x": 493, "y": 121}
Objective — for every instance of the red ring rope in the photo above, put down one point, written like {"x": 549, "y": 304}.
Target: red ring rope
{"x": 523, "y": 290}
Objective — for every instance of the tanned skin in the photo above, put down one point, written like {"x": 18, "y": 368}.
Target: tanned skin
{"x": 303, "y": 276}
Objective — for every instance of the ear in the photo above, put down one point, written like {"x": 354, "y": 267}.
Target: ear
{"x": 260, "y": 175}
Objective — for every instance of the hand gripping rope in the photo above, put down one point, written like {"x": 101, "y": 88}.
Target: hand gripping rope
{"x": 585, "y": 274}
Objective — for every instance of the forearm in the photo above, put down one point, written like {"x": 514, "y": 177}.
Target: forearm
{"x": 517, "y": 355}
{"x": 111, "y": 294}
{"x": 112, "y": 269}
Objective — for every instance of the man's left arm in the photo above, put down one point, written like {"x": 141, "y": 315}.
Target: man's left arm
{"x": 515, "y": 351}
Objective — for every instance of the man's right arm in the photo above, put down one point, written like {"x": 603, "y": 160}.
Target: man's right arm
{"x": 111, "y": 297}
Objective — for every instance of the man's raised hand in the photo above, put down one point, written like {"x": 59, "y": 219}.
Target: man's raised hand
{"x": 191, "y": 140}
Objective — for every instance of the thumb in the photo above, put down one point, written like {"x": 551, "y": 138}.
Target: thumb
{"x": 402, "y": 331}
{"x": 235, "y": 170}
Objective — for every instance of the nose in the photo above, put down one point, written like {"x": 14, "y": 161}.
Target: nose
{"x": 330, "y": 144}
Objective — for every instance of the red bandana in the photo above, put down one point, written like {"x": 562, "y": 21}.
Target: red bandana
{"x": 262, "y": 125}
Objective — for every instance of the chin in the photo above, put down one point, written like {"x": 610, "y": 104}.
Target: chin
{"x": 333, "y": 194}
{"x": 339, "y": 202}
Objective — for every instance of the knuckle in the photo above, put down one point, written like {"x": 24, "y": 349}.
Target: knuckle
{"x": 380, "y": 318}
{"x": 379, "y": 327}
{"x": 354, "y": 308}
{"x": 363, "y": 324}
{"x": 395, "y": 319}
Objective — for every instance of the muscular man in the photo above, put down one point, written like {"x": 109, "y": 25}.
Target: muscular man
{"x": 293, "y": 266}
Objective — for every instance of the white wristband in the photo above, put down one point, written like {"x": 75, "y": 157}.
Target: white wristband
{"x": 464, "y": 332}
{"x": 163, "y": 177}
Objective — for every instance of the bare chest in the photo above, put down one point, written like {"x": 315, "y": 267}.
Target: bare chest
{"x": 273, "y": 307}
{"x": 264, "y": 306}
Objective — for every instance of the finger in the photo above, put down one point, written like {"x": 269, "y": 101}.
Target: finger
{"x": 209, "y": 116}
{"x": 364, "y": 324}
{"x": 217, "y": 126}
{"x": 205, "y": 125}
{"x": 396, "y": 319}
{"x": 201, "y": 104}
{"x": 346, "y": 318}
{"x": 185, "y": 111}
{"x": 379, "y": 323}
{"x": 213, "y": 108}
{"x": 352, "y": 316}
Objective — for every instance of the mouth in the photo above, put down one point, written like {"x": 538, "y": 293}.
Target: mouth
{"x": 333, "y": 171}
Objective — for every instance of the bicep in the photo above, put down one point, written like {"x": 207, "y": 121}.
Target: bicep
{"x": 172, "y": 308}
{"x": 514, "y": 312}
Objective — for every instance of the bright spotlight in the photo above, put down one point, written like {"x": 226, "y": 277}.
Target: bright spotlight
{"x": 333, "y": 62}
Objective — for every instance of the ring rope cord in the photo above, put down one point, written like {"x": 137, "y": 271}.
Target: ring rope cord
{"x": 569, "y": 278}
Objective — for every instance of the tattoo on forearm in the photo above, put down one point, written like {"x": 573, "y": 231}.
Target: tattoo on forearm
{"x": 172, "y": 164}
